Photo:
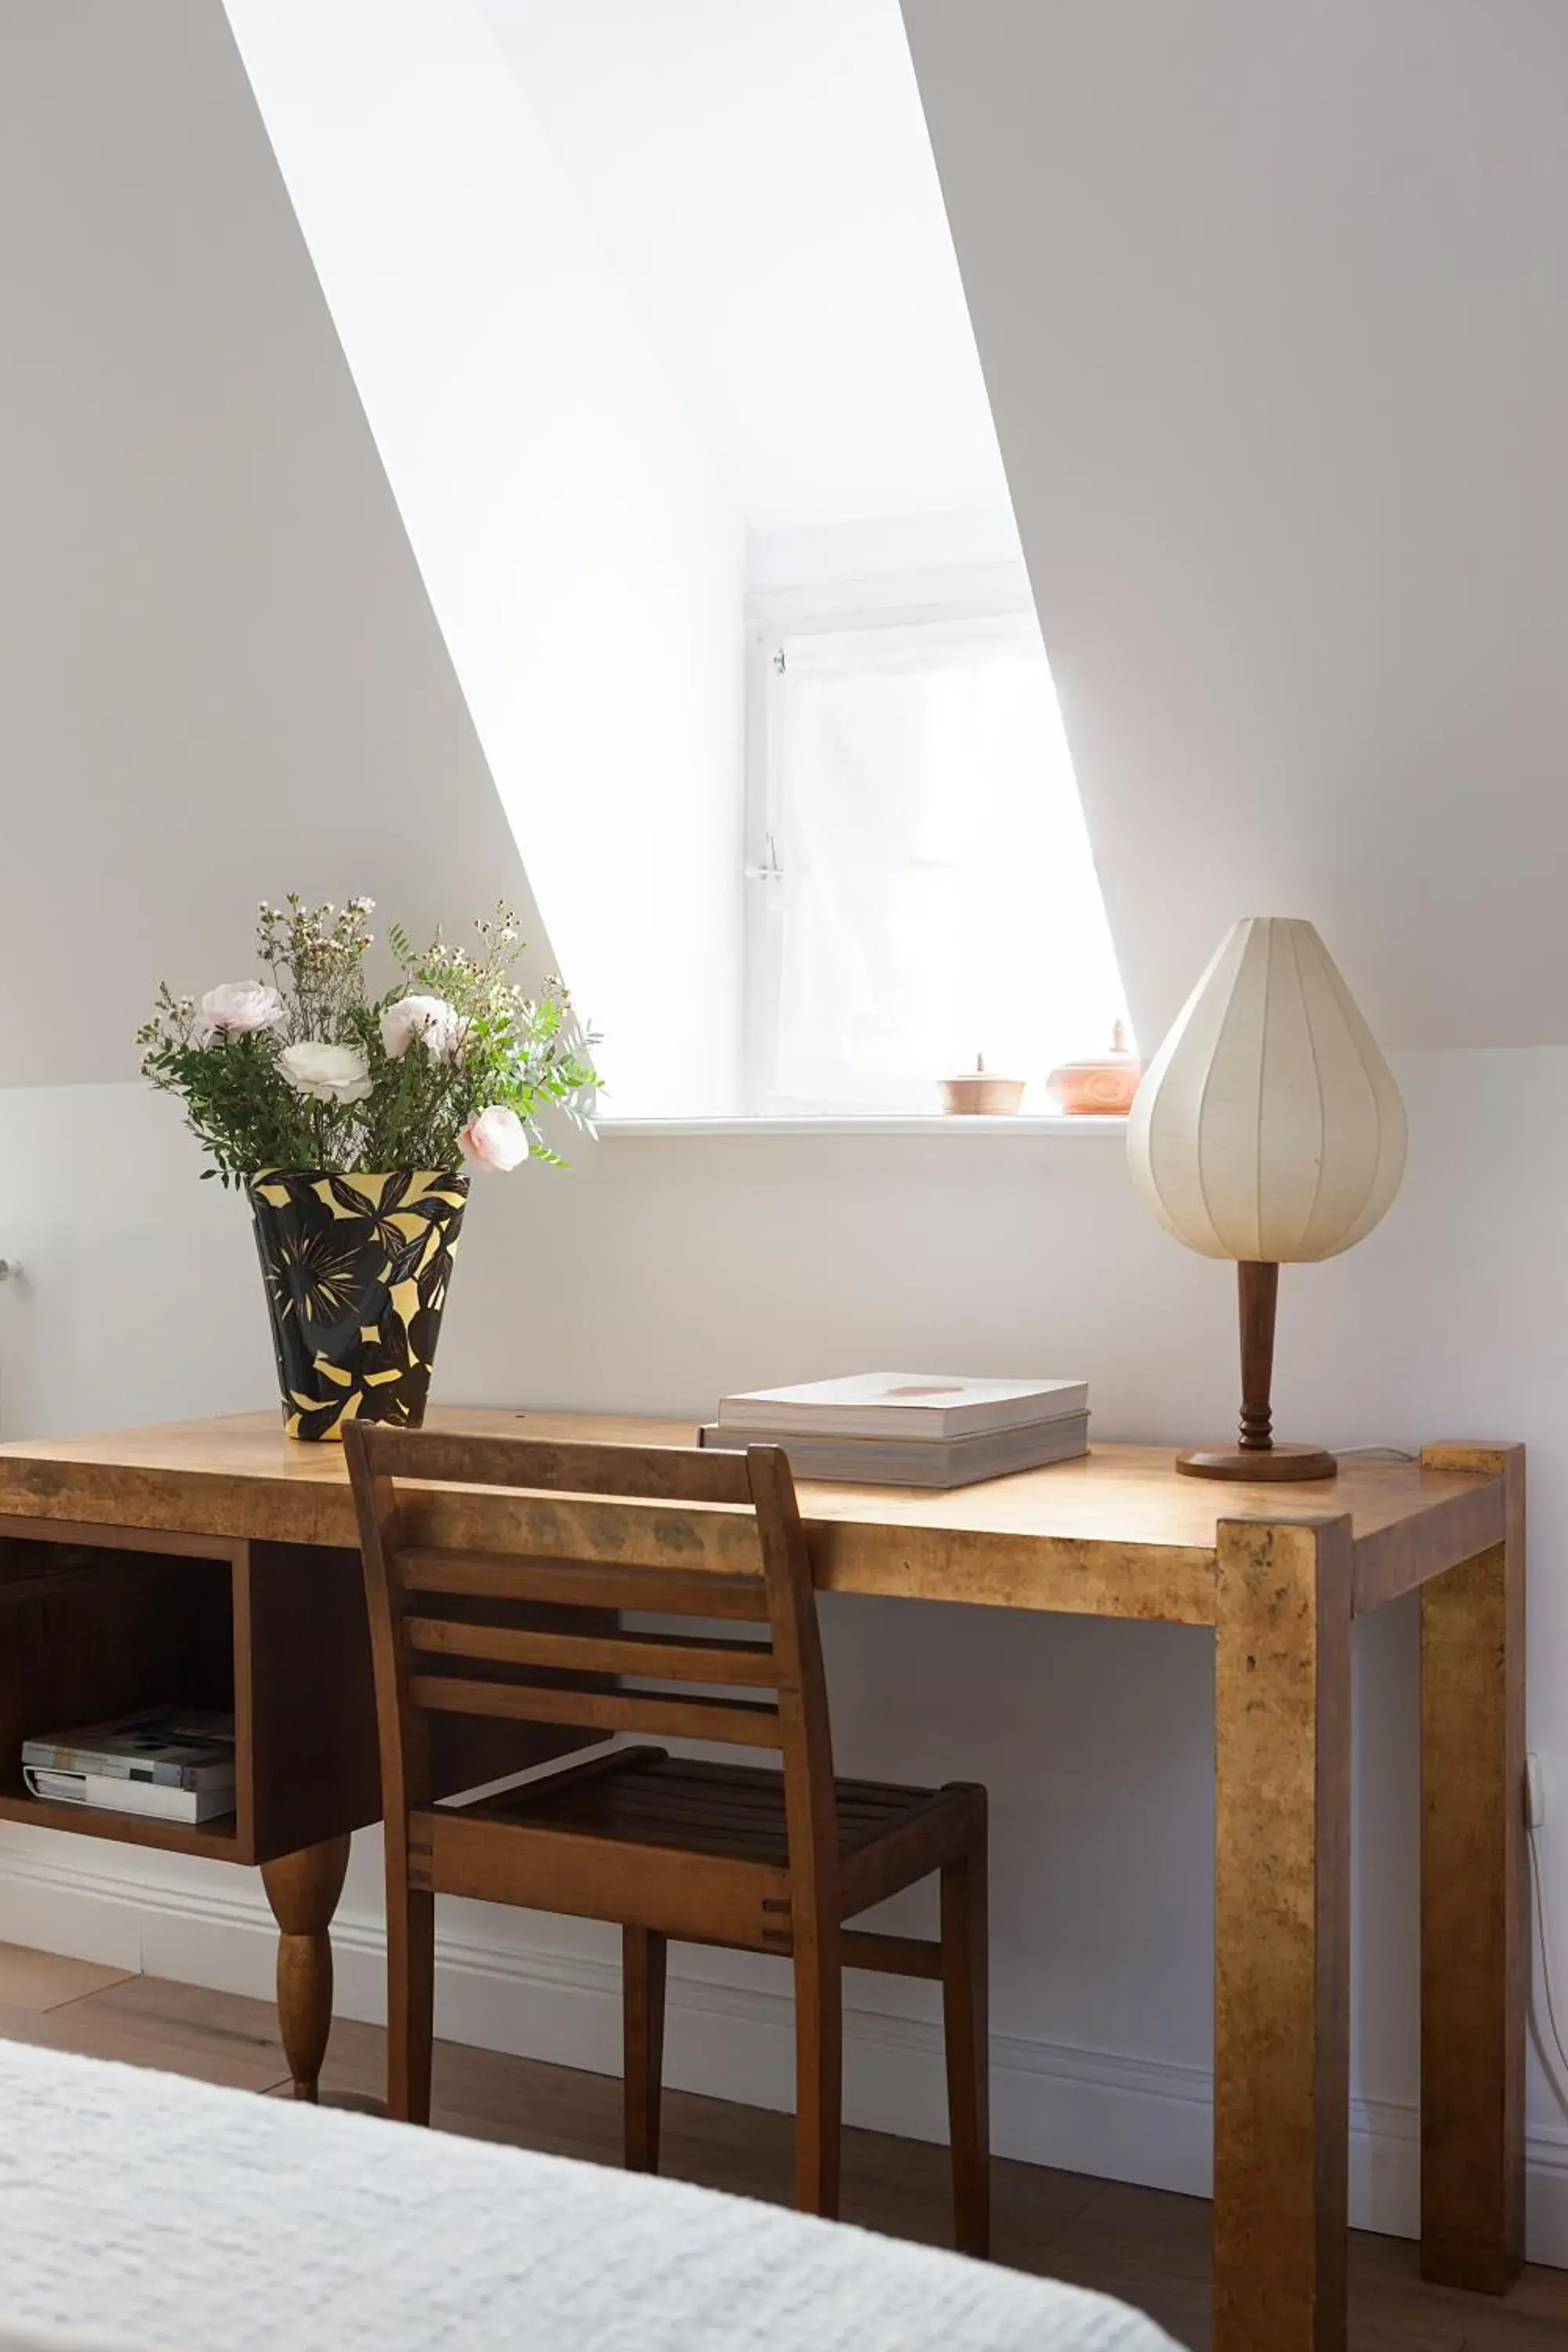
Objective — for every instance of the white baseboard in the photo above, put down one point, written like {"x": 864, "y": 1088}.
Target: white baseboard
{"x": 1122, "y": 2118}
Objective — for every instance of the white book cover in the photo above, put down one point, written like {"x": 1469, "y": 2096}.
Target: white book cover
{"x": 146, "y": 1798}
{"x": 903, "y": 1405}
{"x": 919, "y": 1462}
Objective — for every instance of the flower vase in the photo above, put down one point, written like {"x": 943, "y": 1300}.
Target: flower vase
{"x": 355, "y": 1269}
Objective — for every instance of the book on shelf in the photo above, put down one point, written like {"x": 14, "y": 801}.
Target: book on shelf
{"x": 157, "y": 1746}
{"x": 916, "y": 1462}
{"x": 925, "y": 1407}
{"x": 151, "y": 1800}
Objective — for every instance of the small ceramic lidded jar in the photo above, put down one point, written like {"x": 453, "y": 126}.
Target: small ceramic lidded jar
{"x": 1098, "y": 1089}
{"x": 980, "y": 1094}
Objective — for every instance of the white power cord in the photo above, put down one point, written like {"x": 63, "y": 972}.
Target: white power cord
{"x": 1546, "y": 1966}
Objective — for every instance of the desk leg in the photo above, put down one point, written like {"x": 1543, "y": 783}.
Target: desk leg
{"x": 1474, "y": 1915}
{"x": 1281, "y": 1935}
{"x": 303, "y": 1890}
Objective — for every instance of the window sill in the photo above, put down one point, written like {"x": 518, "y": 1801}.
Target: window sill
{"x": 908, "y": 1123}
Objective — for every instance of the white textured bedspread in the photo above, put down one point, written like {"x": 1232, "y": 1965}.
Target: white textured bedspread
{"x": 155, "y": 2212}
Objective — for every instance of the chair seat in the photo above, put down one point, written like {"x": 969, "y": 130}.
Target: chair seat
{"x": 726, "y": 1815}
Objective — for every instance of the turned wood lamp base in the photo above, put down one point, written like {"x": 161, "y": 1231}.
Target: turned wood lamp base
{"x": 1257, "y": 1457}
{"x": 1264, "y": 1463}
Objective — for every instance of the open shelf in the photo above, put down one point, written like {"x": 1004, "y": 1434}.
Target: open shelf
{"x": 89, "y": 1631}
{"x": 218, "y": 1838}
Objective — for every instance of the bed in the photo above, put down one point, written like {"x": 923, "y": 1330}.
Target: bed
{"x": 142, "y": 2211}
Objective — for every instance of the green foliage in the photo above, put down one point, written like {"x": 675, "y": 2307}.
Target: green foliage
{"x": 408, "y": 1107}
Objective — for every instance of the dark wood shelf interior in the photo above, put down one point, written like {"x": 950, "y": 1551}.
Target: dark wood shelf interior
{"x": 91, "y": 1630}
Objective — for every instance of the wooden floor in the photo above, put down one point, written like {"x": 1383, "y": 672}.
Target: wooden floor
{"x": 1142, "y": 2244}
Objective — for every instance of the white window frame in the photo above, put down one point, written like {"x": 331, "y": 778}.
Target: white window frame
{"x": 955, "y": 593}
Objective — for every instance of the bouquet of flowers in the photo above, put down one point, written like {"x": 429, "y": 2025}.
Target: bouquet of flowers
{"x": 349, "y": 1119}
{"x": 307, "y": 1070}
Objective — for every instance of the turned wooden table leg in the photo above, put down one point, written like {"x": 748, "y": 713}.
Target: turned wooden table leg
{"x": 303, "y": 1890}
{"x": 1474, "y": 1900}
{"x": 1282, "y": 1745}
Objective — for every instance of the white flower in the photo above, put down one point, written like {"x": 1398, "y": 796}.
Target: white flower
{"x": 438, "y": 1026}
{"x": 236, "y": 1009}
{"x": 495, "y": 1138}
{"x": 337, "y": 1073}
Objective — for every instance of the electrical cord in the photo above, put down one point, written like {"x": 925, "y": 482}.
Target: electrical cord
{"x": 1546, "y": 1960}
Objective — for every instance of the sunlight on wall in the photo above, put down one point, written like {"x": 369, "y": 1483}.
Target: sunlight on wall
{"x": 585, "y": 563}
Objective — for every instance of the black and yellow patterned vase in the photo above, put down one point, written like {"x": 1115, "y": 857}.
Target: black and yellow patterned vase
{"x": 356, "y": 1269}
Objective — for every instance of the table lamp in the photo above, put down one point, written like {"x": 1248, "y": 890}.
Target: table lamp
{"x": 1267, "y": 1128}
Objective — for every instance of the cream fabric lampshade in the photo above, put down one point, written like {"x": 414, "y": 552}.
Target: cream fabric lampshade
{"x": 1268, "y": 1127}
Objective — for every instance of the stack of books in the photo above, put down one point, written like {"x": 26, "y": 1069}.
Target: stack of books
{"x": 910, "y": 1429}
{"x": 165, "y": 1763}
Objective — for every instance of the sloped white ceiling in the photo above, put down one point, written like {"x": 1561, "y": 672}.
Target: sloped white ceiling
{"x": 220, "y": 677}
{"x": 1272, "y": 301}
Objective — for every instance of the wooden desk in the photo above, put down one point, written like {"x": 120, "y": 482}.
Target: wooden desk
{"x": 221, "y": 1548}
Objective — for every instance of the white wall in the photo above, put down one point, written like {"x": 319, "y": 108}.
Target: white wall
{"x": 1273, "y": 306}
{"x": 815, "y": 555}
{"x": 659, "y": 1273}
{"x": 137, "y": 1277}
{"x": 587, "y": 565}
{"x": 219, "y": 674}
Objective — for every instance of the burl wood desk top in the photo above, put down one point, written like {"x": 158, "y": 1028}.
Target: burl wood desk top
{"x": 1117, "y": 1534}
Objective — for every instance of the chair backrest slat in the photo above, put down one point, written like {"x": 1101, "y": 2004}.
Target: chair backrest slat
{"x": 686, "y": 1474}
{"x": 658, "y": 1592}
{"x": 745, "y": 1723}
{"x": 661, "y": 1657}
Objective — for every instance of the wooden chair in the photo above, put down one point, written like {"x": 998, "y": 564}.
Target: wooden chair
{"x": 703, "y": 1852}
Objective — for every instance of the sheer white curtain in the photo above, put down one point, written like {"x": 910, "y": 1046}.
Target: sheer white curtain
{"x": 938, "y": 898}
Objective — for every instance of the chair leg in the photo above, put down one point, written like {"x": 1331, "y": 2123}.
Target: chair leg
{"x": 966, "y": 2019}
{"x": 643, "y": 1958}
{"x": 818, "y": 2076}
{"x": 410, "y": 1997}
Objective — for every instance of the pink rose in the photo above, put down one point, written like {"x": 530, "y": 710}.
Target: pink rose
{"x": 495, "y": 1138}
{"x": 236, "y": 1009}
